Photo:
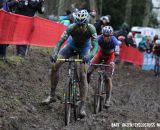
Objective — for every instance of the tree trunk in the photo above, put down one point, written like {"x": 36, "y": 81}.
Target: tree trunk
{"x": 99, "y": 8}
{"x": 51, "y": 7}
{"x": 147, "y": 13}
{"x": 61, "y": 6}
{"x": 128, "y": 11}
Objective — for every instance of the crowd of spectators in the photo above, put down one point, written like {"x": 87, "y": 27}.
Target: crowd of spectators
{"x": 21, "y": 7}
{"x": 30, "y": 7}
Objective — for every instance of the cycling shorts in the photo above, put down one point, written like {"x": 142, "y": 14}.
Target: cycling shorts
{"x": 68, "y": 51}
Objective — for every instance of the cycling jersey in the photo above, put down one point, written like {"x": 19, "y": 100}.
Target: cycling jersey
{"x": 110, "y": 46}
{"x": 106, "y": 50}
{"x": 80, "y": 37}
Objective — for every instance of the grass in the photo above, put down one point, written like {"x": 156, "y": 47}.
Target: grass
{"x": 16, "y": 60}
{"x": 42, "y": 49}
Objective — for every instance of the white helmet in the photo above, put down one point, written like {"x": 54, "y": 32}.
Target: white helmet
{"x": 81, "y": 17}
{"x": 107, "y": 31}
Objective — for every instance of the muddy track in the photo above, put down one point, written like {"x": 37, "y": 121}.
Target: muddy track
{"x": 135, "y": 98}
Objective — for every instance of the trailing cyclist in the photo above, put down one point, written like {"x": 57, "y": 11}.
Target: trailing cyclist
{"x": 107, "y": 43}
{"x": 79, "y": 34}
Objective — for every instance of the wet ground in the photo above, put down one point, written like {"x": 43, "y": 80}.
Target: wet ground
{"x": 25, "y": 83}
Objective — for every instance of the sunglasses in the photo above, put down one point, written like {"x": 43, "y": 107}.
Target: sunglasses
{"x": 106, "y": 35}
{"x": 80, "y": 25}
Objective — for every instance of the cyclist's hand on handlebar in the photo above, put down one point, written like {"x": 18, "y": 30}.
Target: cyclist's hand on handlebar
{"x": 86, "y": 59}
{"x": 53, "y": 58}
{"x": 112, "y": 64}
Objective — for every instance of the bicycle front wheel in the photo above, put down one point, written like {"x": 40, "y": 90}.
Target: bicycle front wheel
{"x": 97, "y": 96}
{"x": 76, "y": 100}
{"x": 67, "y": 103}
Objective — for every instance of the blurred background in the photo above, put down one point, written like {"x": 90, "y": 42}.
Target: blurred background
{"x": 145, "y": 13}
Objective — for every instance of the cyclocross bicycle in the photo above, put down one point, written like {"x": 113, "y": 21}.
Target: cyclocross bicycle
{"x": 100, "y": 95}
{"x": 71, "y": 93}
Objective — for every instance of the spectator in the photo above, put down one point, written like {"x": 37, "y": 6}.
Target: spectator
{"x": 1, "y": 3}
{"x": 156, "y": 47}
{"x": 123, "y": 31}
{"x": 3, "y": 47}
{"x": 102, "y": 22}
{"x": 129, "y": 41}
{"x": 144, "y": 45}
{"x": 153, "y": 42}
{"x": 92, "y": 16}
{"x": 66, "y": 19}
{"x": 149, "y": 44}
{"x": 27, "y": 8}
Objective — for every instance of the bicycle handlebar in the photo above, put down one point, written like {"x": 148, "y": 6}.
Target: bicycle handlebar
{"x": 70, "y": 60}
{"x": 101, "y": 65}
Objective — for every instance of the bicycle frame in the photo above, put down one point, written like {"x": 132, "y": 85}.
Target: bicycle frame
{"x": 71, "y": 92}
{"x": 100, "y": 90}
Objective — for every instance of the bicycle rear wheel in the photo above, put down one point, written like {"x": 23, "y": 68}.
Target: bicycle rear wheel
{"x": 76, "y": 100}
{"x": 97, "y": 96}
{"x": 76, "y": 110}
{"x": 67, "y": 103}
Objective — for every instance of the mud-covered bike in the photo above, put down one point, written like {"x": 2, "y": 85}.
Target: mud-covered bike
{"x": 100, "y": 92}
{"x": 71, "y": 94}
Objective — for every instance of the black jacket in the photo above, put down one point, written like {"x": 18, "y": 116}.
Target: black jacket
{"x": 1, "y": 3}
{"x": 26, "y": 7}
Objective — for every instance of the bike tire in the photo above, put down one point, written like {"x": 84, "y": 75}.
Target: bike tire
{"x": 102, "y": 95}
{"x": 97, "y": 97}
{"x": 76, "y": 101}
{"x": 67, "y": 103}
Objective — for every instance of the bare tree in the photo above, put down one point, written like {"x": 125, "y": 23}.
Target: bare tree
{"x": 128, "y": 11}
{"x": 51, "y": 7}
{"x": 148, "y": 6}
{"x": 63, "y": 6}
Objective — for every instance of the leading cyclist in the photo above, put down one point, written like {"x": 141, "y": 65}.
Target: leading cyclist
{"x": 107, "y": 43}
{"x": 80, "y": 32}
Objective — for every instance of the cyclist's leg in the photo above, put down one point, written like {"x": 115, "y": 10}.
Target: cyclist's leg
{"x": 83, "y": 82}
{"x": 108, "y": 79}
{"x": 108, "y": 83}
{"x": 64, "y": 53}
{"x": 95, "y": 60}
{"x": 83, "y": 87}
{"x": 55, "y": 75}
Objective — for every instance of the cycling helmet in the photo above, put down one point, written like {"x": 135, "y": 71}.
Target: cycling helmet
{"x": 107, "y": 31}
{"x": 81, "y": 17}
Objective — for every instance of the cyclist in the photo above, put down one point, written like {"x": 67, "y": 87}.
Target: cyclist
{"x": 107, "y": 43}
{"x": 80, "y": 34}
{"x": 102, "y": 22}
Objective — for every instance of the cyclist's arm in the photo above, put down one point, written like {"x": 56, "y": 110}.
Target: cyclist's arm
{"x": 116, "y": 41}
{"x": 64, "y": 37}
{"x": 94, "y": 41}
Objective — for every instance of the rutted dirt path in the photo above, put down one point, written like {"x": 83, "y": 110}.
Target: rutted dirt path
{"x": 135, "y": 97}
